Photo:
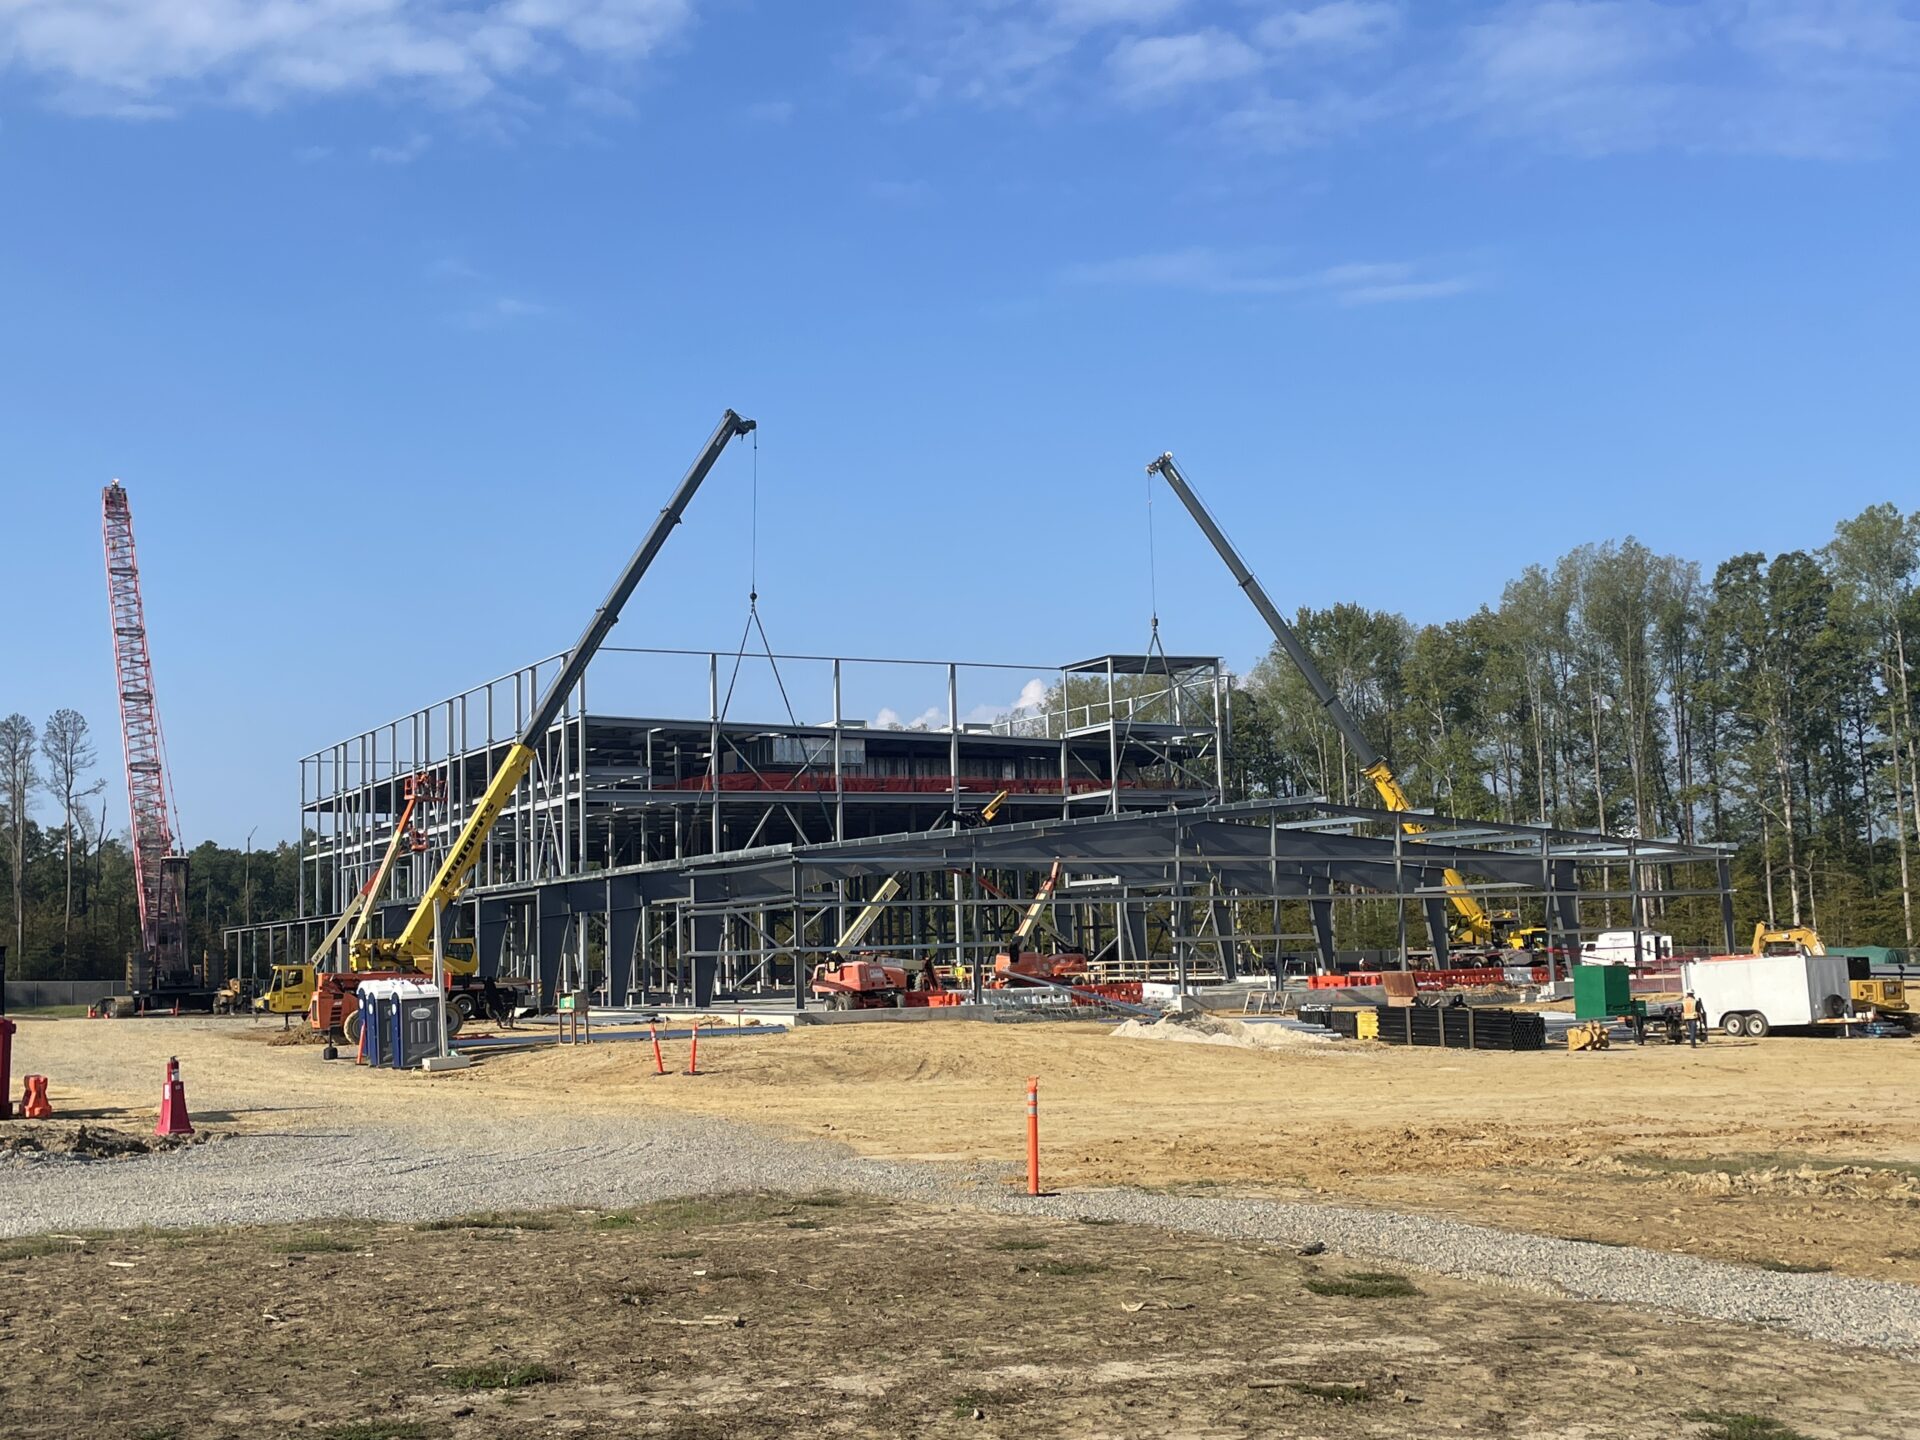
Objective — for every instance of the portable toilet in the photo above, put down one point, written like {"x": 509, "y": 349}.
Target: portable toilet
{"x": 375, "y": 999}
{"x": 416, "y": 1023}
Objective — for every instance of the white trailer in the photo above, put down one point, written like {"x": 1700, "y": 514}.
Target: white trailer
{"x": 1755, "y": 994}
{"x": 1618, "y": 947}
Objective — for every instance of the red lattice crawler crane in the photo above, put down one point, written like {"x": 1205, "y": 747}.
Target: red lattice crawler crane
{"x": 161, "y": 971}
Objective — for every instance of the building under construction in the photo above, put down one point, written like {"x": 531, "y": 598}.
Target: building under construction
{"x": 587, "y": 847}
{"x": 679, "y": 860}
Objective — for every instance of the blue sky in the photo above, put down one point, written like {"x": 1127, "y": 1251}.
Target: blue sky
{"x": 400, "y": 317}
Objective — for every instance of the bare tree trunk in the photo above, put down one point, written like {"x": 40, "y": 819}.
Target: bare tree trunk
{"x": 1900, "y": 831}
{"x": 1783, "y": 773}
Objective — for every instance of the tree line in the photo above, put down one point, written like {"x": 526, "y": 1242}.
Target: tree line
{"x": 1770, "y": 706}
{"x": 70, "y": 907}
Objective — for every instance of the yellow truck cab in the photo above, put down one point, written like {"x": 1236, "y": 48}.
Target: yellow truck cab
{"x": 290, "y": 991}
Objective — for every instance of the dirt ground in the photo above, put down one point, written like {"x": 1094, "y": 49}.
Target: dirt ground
{"x": 768, "y": 1315}
{"x": 1787, "y": 1152}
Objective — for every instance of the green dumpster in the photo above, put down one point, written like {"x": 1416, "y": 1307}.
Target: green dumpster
{"x": 1603, "y": 992}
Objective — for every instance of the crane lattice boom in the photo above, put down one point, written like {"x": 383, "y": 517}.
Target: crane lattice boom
{"x": 159, "y": 873}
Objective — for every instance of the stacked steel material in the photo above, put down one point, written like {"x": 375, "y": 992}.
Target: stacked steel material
{"x": 1457, "y": 1027}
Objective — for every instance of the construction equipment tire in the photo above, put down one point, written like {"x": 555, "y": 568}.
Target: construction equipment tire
{"x": 1757, "y": 1026}
{"x": 464, "y": 1006}
{"x": 1733, "y": 1025}
{"x": 350, "y": 1029}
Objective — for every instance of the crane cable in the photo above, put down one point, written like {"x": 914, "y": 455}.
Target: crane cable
{"x": 756, "y": 624}
{"x": 1154, "y": 645}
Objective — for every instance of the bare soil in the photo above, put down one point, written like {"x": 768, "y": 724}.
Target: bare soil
{"x": 769, "y": 1315}
{"x": 1783, "y": 1151}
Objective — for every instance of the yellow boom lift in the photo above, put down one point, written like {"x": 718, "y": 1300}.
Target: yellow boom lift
{"x": 1474, "y": 924}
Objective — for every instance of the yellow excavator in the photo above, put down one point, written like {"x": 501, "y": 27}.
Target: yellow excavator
{"x": 1869, "y": 993}
{"x": 1474, "y": 924}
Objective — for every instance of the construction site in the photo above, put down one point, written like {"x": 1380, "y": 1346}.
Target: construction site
{"x": 664, "y": 1047}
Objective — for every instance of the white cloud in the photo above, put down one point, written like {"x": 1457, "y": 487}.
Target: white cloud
{"x": 1091, "y": 14}
{"x": 1157, "y": 66}
{"x": 1818, "y": 78}
{"x": 1216, "y": 272}
{"x": 404, "y": 153}
{"x": 930, "y": 718}
{"x": 1032, "y": 696}
{"x": 1337, "y": 25}
{"x": 121, "y": 57}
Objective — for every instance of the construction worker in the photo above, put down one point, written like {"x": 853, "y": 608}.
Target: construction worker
{"x": 1690, "y": 1014}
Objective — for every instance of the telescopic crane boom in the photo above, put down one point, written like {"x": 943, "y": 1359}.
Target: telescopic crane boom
{"x": 1476, "y": 926}
{"x": 415, "y": 942}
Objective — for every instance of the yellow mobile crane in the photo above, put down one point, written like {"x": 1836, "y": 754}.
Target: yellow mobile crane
{"x": 1475, "y": 925}
{"x": 410, "y": 952}
{"x": 414, "y": 945}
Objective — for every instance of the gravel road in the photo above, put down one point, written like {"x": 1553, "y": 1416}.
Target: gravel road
{"x": 396, "y": 1171}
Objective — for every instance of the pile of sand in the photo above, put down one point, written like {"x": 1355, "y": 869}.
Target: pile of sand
{"x": 1218, "y": 1030}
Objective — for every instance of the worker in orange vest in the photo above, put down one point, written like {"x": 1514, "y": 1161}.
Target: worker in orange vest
{"x": 1690, "y": 1015}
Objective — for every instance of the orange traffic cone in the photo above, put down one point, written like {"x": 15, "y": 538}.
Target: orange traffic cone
{"x": 34, "y": 1104}
{"x": 173, "y": 1104}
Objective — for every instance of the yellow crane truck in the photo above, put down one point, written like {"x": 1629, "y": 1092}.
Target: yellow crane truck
{"x": 333, "y": 1007}
{"x": 1474, "y": 924}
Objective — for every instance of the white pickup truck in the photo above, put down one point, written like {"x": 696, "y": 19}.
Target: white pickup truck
{"x": 1755, "y": 994}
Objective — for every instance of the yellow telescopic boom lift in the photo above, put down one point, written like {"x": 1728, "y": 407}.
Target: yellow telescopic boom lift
{"x": 413, "y": 948}
{"x": 1475, "y": 926}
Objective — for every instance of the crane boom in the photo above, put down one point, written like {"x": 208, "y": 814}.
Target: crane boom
{"x": 159, "y": 870}
{"x": 1475, "y": 924}
{"x": 415, "y": 941}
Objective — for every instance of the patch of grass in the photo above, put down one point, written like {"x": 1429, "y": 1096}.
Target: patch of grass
{"x": 158, "y": 1432}
{"x": 1332, "y": 1394}
{"x": 803, "y": 1224}
{"x": 316, "y": 1245}
{"x": 496, "y": 1375}
{"x": 1732, "y": 1425}
{"x": 29, "y": 1246}
{"x": 966, "y": 1402}
{"x": 1064, "y": 1267}
{"x": 1094, "y": 1220}
{"x": 615, "y": 1220}
{"x": 489, "y": 1220}
{"x": 1795, "y": 1267}
{"x": 826, "y": 1200}
{"x": 51, "y": 1012}
{"x": 1364, "y": 1285}
{"x": 681, "y": 1254}
{"x": 706, "y": 1211}
{"x": 375, "y": 1430}
{"x": 1017, "y": 1245}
